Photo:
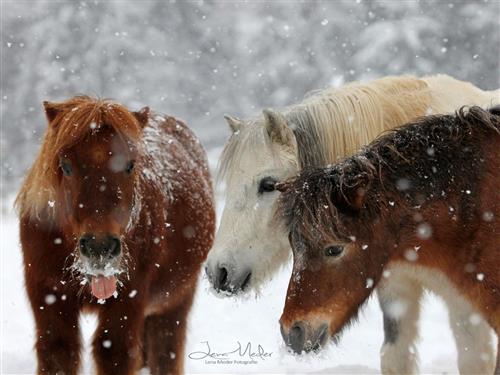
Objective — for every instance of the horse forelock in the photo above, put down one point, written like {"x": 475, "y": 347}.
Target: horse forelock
{"x": 83, "y": 115}
{"x": 76, "y": 119}
{"x": 306, "y": 206}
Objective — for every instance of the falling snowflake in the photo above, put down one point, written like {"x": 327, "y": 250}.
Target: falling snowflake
{"x": 411, "y": 255}
{"x": 475, "y": 319}
{"x": 369, "y": 283}
{"x": 488, "y": 216}
{"x": 132, "y": 294}
{"x": 106, "y": 344}
{"x": 50, "y": 299}
{"x": 396, "y": 309}
{"x": 424, "y": 231}
{"x": 188, "y": 232}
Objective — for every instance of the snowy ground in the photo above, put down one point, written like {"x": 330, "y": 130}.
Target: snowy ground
{"x": 224, "y": 323}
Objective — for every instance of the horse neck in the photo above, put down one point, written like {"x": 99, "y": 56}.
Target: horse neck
{"x": 337, "y": 122}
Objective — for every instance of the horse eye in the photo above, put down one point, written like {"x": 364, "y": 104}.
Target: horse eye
{"x": 334, "y": 251}
{"x": 66, "y": 168}
{"x": 267, "y": 185}
{"x": 130, "y": 167}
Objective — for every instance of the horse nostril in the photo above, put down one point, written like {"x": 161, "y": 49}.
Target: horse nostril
{"x": 114, "y": 246}
{"x": 83, "y": 244}
{"x": 221, "y": 279}
{"x": 296, "y": 337}
{"x": 321, "y": 337}
{"x": 246, "y": 280}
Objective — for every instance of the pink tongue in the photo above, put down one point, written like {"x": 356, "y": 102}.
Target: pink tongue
{"x": 103, "y": 287}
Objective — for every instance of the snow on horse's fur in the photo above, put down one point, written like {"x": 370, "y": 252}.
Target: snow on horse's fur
{"x": 423, "y": 198}
{"x": 142, "y": 179}
{"x": 327, "y": 125}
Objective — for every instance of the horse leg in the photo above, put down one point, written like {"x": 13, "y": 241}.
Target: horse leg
{"x": 472, "y": 338}
{"x": 165, "y": 338}
{"x": 116, "y": 343}
{"x": 400, "y": 303}
{"x": 58, "y": 334}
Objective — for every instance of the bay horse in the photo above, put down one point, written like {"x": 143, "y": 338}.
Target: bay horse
{"x": 116, "y": 218}
{"x": 250, "y": 246}
{"x": 421, "y": 202}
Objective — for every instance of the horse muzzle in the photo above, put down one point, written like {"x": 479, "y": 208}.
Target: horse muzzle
{"x": 228, "y": 279}
{"x": 100, "y": 257}
{"x": 99, "y": 247}
{"x": 303, "y": 337}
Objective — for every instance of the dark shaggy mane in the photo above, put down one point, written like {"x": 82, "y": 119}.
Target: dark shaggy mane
{"x": 430, "y": 158}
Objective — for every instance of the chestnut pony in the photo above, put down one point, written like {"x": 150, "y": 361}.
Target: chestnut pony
{"x": 422, "y": 201}
{"x": 117, "y": 216}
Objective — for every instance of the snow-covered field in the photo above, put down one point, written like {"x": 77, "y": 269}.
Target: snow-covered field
{"x": 223, "y": 322}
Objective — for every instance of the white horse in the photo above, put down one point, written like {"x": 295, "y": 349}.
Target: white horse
{"x": 251, "y": 244}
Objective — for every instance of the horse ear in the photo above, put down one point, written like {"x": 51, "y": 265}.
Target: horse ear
{"x": 51, "y": 110}
{"x": 351, "y": 194}
{"x": 142, "y": 116}
{"x": 234, "y": 123}
{"x": 277, "y": 128}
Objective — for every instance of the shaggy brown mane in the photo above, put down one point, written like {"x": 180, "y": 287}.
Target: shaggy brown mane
{"x": 71, "y": 121}
{"x": 417, "y": 163}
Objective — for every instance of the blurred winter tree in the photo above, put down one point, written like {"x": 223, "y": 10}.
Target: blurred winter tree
{"x": 198, "y": 60}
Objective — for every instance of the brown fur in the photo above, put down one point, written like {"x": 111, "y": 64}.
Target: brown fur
{"x": 163, "y": 213}
{"x": 442, "y": 173}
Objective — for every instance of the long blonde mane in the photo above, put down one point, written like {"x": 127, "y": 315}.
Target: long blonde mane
{"x": 74, "y": 120}
{"x": 332, "y": 123}
{"x": 340, "y": 121}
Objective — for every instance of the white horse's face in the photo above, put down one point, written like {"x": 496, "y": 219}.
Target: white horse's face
{"x": 251, "y": 242}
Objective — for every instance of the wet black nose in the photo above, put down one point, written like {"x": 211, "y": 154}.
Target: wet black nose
{"x": 106, "y": 246}
{"x": 231, "y": 283}
{"x": 295, "y": 337}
